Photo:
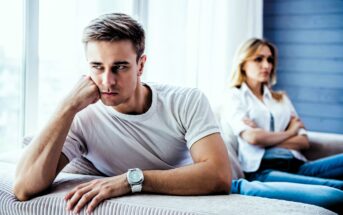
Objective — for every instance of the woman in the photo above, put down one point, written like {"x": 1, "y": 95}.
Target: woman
{"x": 271, "y": 136}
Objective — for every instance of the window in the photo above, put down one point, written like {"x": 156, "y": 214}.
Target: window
{"x": 61, "y": 57}
{"x": 188, "y": 34}
{"x": 11, "y": 22}
{"x": 30, "y": 93}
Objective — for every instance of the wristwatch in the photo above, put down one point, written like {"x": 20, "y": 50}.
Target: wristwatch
{"x": 135, "y": 178}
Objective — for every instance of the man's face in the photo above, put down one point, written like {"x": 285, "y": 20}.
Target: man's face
{"x": 114, "y": 69}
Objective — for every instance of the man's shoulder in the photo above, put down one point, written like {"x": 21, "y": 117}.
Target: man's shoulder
{"x": 167, "y": 89}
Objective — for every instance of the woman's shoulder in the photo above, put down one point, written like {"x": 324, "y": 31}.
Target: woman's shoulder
{"x": 278, "y": 95}
{"x": 234, "y": 91}
{"x": 232, "y": 95}
{"x": 285, "y": 97}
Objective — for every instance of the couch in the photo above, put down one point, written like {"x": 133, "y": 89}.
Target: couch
{"x": 80, "y": 170}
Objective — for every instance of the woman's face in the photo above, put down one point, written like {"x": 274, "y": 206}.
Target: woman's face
{"x": 259, "y": 67}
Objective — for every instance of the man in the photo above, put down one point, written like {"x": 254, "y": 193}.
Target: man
{"x": 144, "y": 137}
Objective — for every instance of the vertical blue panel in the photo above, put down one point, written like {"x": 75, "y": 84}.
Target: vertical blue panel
{"x": 309, "y": 36}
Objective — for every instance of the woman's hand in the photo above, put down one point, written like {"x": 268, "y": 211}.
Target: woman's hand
{"x": 95, "y": 191}
{"x": 249, "y": 122}
{"x": 295, "y": 125}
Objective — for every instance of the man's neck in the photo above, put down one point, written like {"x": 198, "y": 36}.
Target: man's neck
{"x": 139, "y": 103}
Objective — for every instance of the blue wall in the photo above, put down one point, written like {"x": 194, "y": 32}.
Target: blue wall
{"x": 309, "y": 37}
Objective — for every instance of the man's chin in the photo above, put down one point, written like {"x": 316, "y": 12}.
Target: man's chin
{"x": 109, "y": 102}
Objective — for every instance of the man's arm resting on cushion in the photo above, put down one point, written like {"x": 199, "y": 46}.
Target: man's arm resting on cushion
{"x": 43, "y": 160}
{"x": 210, "y": 172}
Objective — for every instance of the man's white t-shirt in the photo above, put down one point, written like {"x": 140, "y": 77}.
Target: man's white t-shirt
{"x": 240, "y": 103}
{"x": 158, "y": 139}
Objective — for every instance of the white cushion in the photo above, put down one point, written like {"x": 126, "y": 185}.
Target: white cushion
{"x": 52, "y": 202}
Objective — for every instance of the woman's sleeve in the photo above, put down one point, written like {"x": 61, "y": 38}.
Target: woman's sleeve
{"x": 234, "y": 111}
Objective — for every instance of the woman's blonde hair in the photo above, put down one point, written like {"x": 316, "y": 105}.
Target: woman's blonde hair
{"x": 245, "y": 52}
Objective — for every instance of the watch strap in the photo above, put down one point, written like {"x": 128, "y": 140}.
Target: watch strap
{"x": 136, "y": 188}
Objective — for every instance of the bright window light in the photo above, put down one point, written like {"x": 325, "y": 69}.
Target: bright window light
{"x": 11, "y": 37}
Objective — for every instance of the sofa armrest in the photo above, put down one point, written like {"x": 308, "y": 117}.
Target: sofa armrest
{"x": 323, "y": 144}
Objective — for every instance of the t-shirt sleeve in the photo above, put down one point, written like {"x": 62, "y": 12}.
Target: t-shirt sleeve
{"x": 74, "y": 145}
{"x": 198, "y": 118}
{"x": 289, "y": 104}
{"x": 234, "y": 111}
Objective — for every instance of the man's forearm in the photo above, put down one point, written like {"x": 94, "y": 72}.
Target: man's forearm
{"x": 197, "y": 179}
{"x": 38, "y": 165}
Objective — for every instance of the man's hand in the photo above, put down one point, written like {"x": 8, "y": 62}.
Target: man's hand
{"x": 84, "y": 93}
{"x": 96, "y": 191}
{"x": 294, "y": 125}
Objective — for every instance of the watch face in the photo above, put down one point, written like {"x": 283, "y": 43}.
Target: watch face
{"x": 135, "y": 176}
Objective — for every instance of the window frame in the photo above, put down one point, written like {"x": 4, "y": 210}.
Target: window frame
{"x": 29, "y": 74}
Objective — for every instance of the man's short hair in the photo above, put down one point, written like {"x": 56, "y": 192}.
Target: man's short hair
{"x": 116, "y": 27}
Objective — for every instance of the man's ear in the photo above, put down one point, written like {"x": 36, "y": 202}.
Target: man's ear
{"x": 141, "y": 64}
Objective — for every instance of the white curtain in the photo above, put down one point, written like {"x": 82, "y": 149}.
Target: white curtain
{"x": 191, "y": 43}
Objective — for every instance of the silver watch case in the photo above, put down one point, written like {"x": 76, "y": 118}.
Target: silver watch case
{"x": 135, "y": 178}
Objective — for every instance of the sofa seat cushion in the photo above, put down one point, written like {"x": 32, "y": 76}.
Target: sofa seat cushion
{"x": 52, "y": 201}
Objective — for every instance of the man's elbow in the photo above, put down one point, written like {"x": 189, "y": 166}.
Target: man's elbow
{"x": 23, "y": 190}
{"x": 20, "y": 191}
{"x": 223, "y": 184}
